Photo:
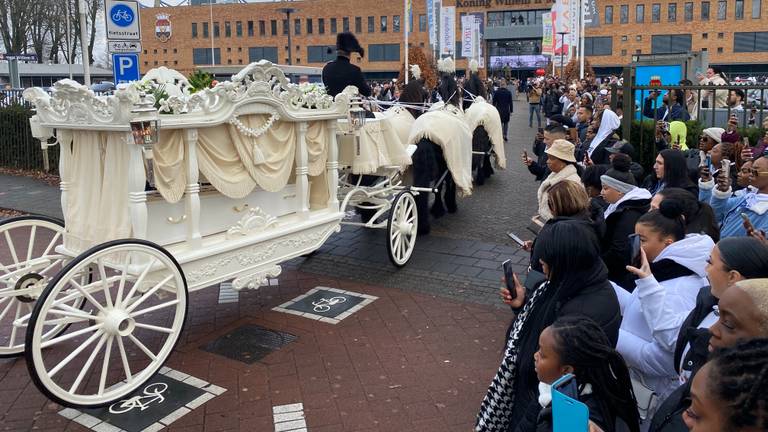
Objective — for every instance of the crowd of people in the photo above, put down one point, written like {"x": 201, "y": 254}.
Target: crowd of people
{"x": 651, "y": 288}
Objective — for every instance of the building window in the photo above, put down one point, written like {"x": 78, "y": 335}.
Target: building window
{"x": 719, "y": 50}
{"x": 250, "y": 28}
{"x": 639, "y": 38}
{"x": 705, "y": 11}
{"x": 623, "y": 52}
{"x": 286, "y": 27}
{"x": 624, "y": 12}
{"x": 396, "y": 24}
{"x": 309, "y": 26}
{"x": 672, "y": 12}
{"x": 383, "y": 28}
{"x": 239, "y": 29}
{"x": 273, "y": 27}
{"x": 358, "y": 25}
{"x": 345, "y": 24}
{"x": 722, "y": 9}
{"x": 227, "y": 29}
{"x": 262, "y": 53}
{"x": 262, "y": 28}
{"x": 640, "y": 13}
{"x": 598, "y": 46}
{"x": 656, "y": 12}
{"x": 739, "y": 9}
{"x": 689, "y": 11}
{"x": 705, "y": 35}
{"x": 320, "y": 54}
{"x": 750, "y": 42}
{"x": 384, "y": 52}
{"x": 321, "y": 25}
{"x": 205, "y": 30}
{"x": 624, "y": 38}
{"x": 202, "y": 56}
{"x": 422, "y": 23}
{"x": 297, "y": 26}
{"x": 333, "y": 26}
{"x": 608, "y": 15}
{"x": 371, "y": 24}
{"x": 720, "y": 35}
{"x": 756, "y": 6}
{"x": 670, "y": 44}
{"x": 216, "y": 32}
{"x": 194, "y": 30}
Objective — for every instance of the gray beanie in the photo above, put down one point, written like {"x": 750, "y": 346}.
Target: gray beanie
{"x": 616, "y": 184}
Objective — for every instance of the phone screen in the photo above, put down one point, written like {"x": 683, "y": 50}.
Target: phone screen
{"x": 516, "y": 239}
{"x": 509, "y": 277}
{"x": 636, "y": 258}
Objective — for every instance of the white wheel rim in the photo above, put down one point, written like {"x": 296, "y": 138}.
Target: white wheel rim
{"x": 403, "y": 229}
{"x": 114, "y": 346}
{"x": 28, "y": 261}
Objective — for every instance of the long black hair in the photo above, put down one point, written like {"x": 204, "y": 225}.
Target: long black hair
{"x": 675, "y": 169}
{"x": 738, "y": 379}
{"x": 582, "y": 344}
{"x": 667, "y": 220}
{"x": 699, "y": 216}
{"x": 746, "y": 255}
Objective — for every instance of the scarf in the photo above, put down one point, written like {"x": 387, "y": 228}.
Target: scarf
{"x": 635, "y": 194}
{"x": 609, "y": 123}
{"x": 757, "y": 202}
{"x": 496, "y": 408}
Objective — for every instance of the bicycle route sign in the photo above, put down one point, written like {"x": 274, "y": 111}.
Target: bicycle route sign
{"x": 122, "y": 17}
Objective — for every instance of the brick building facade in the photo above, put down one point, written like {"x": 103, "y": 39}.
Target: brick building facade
{"x": 733, "y": 32}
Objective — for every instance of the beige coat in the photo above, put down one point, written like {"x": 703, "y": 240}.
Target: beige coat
{"x": 721, "y": 96}
{"x": 567, "y": 173}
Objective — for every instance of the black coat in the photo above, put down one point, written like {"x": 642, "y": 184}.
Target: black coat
{"x": 539, "y": 419}
{"x": 502, "y": 100}
{"x": 340, "y": 73}
{"x": 600, "y": 155}
{"x": 615, "y": 243}
{"x": 539, "y": 168}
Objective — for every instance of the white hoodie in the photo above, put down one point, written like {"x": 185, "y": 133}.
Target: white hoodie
{"x": 655, "y": 311}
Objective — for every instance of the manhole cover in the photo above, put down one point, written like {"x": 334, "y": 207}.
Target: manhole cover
{"x": 249, "y": 343}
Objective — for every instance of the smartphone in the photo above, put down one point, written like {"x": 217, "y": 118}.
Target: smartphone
{"x": 541, "y": 130}
{"x": 509, "y": 277}
{"x": 568, "y": 413}
{"x": 635, "y": 251}
{"x": 747, "y": 223}
{"x": 516, "y": 239}
{"x": 725, "y": 167}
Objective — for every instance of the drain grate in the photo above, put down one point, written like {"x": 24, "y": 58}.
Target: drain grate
{"x": 249, "y": 343}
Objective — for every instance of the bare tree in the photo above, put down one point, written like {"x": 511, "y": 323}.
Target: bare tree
{"x": 15, "y": 17}
{"x": 41, "y": 27}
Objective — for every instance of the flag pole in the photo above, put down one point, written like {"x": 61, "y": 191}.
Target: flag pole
{"x": 406, "y": 24}
{"x": 582, "y": 26}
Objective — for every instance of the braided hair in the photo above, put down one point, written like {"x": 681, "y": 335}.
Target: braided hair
{"x": 738, "y": 379}
{"x": 667, "y": 221}
{"x": 582, "y": 344}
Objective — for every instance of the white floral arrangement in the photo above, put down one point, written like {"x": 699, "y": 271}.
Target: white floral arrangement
{"x": 311, "y": 95}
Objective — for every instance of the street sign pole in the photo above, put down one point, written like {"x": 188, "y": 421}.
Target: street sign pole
{"x": 84, "y": 44}
{"x": 13, "y": 71}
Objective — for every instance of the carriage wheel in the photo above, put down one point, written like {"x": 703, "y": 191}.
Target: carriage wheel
{"x": 401, "y": 228}
{"x": 28, "y": 261}
{"x": 134, "y": 311}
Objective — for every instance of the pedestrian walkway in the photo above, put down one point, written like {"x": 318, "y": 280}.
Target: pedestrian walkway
{"x": 29, "y": 195}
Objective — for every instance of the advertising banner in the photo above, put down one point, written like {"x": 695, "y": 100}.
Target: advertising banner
{"x": 448, "y": 30}
{"x": 431, "y": 25}
{"x": 467, "y": 36}
{"x": 591, "y": 14}
{"x": 547, "y": 43}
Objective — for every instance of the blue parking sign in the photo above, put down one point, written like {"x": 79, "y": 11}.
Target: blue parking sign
{"x": 125, "y": 67}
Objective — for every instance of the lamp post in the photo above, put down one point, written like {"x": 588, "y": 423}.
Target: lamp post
{"x": 288, "y": 12}
{"x": 562, "y": 44}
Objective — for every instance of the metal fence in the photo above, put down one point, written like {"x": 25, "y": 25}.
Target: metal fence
{"x": 18, "y": 148}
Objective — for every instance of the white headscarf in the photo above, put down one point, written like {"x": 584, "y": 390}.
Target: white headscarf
{"x": 609, "y": 123}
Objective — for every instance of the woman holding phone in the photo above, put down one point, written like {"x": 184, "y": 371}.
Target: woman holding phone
{"x": 576, "y": 284}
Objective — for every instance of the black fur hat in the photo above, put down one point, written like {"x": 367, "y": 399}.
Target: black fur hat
{"x": 347, "y": 41}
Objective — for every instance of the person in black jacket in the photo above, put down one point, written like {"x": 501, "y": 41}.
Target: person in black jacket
{"x": 733, "y": 259}
{"x": 577, "y": 345}
{"x": 539, "y": 167}
{"x": 340, "y": 73}
{"x": 628, "y": 149}
{"x": 670, "y": 170}
{"x": 502, "y": 100}
{"x": 577, "y": 284}
{"x": 626, "y": 203}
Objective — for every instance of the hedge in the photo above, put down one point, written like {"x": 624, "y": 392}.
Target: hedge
{"x": 18, "y": 149}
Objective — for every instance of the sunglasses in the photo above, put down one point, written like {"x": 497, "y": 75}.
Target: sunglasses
{"x": 755, "y": 173}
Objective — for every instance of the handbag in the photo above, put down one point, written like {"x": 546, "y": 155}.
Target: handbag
{"x": 647, "y": 399}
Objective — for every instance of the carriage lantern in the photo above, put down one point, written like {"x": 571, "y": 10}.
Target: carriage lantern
{"x": 356, "y": 113}
{"x": 145, "y": 126}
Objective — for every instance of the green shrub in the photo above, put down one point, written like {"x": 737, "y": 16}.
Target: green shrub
{"x": 18, "y": 149}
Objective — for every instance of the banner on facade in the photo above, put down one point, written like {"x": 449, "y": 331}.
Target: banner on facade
{"x": 448, "y": 30}
{"x": 467, "y": 36}
{"x": 547, "y": 45}
{"x": 591, "y": 14}
{"x": 561, "y": 38}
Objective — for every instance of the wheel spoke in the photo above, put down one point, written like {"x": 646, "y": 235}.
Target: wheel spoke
{"x": 77, "y": 314}
{"x": 397, "y": 244}
{"x": 124, "y": 358}
{"x": 141, "y": 346}
{"x": 148, "y": 294}
{"x": 31, "y": 244}
{"x": 139, "y": 281}
{"x": 154, "y": 308}
{"x": 51, "y": 244}
{"x": 155, "y": 328}
{"x": 88, "y": 364}
{"x": 11, "y": 248}
{"x": 104, "y": 284}
{"x": 13, "y": 327}
{"x": 75, "y": 353}
{"x": 7, "y": 308}
{"x": 69, "y": 336}
{"x": 121, "y": 284}
{"x": 105, "y": 365}
{"x": 42, "y": 272}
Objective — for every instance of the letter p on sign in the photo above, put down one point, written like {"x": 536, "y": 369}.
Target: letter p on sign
{"x": 125, "y": 67}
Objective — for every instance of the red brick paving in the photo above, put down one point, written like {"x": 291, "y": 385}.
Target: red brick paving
{"x": 406, "y": 362}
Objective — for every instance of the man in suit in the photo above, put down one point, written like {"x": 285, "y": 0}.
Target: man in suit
{"x": 340, "y": 73}
{"x": 502, "y": 100}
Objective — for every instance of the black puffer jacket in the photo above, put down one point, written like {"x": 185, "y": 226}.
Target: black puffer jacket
{"x": 615, "y": 243}
{"x": 538, "y": 419}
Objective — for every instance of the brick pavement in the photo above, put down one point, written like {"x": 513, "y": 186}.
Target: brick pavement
{"x": 406, "y": 362}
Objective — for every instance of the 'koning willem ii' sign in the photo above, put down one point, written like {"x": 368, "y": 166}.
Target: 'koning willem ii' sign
{"x": 490, "y": 3}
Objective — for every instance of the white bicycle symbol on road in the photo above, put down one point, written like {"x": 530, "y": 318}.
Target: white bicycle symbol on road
{"x": 152, "y": 393}
{"x": 324, "y": 304}
{"x": 122, "y": 15}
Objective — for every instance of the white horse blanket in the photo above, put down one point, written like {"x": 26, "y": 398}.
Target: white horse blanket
{"x": 447, "y": 128}
{"x": 380, "y": 145}
{"x": 401, "y": 120}
{"x": 481, "y": 113}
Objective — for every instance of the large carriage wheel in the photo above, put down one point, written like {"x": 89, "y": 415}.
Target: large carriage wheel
{"x": 134, "y": 311}
{"x": 402, "y": 226}
{"x": 28, "y": 261}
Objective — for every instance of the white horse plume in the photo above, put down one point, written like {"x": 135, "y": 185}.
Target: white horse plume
{"x": 416, "y": 71}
